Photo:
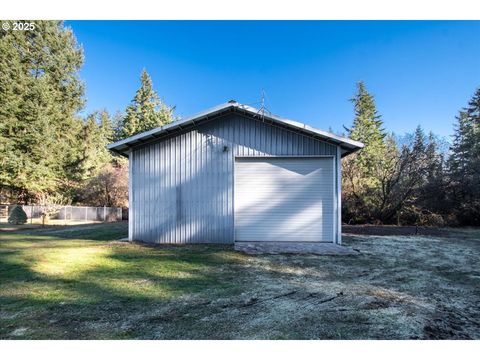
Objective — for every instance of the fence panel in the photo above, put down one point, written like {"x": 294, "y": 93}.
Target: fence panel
{"x": 67, "y": 213}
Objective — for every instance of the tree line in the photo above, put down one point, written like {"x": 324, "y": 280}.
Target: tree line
{"x": 413, "y": 183}
{"x": 52, "y": 154}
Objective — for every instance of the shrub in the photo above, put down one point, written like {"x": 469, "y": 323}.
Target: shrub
{"x": 433, "y": 220}
{"x": 17, "y": 216}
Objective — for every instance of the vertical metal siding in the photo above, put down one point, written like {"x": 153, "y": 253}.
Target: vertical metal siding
{"x": 182, "y": 187}
{"x": 338, "y": 196}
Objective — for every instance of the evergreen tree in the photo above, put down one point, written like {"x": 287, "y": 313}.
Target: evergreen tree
{"x": 460, "y": 151}
{"x": 433, "y": 193}
{"x": 146, "y": 111}
{"x": 419, "y": 141}
{"x": 433, "y": 157}
{"x": 382, "y": 182}
{"x": 17, "y": 216}
{"x": 131, "y": 122}
{"x": 117, "y": 125}
{"x": 364, "y": 170}
{"x": 40, "y": 93}
{"x": 97, "y": 132}
{"x": 413, "y": 178}
{"x": 367, "y": 128}
{"x": 464, "y": 163}
{"x": 106, "y": 127}
{"x": 94, "y": 160}
{"x": 418, "y": 158}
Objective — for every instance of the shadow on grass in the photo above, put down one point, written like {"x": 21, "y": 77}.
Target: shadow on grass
{"x": 104, "y": 231}
{"x": 55, "y": 289}
{"x": 127, "y": 281}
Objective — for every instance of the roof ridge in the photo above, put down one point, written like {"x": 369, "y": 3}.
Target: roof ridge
{"x": 124, "y": 145}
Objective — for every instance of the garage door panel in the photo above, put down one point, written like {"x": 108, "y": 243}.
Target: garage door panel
{"x": 284, "y": 199}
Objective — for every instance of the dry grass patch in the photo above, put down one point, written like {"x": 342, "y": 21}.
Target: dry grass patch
{"x": 80, "y": 283}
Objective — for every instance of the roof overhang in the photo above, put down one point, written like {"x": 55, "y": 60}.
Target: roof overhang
{"x": 123, "y": 147}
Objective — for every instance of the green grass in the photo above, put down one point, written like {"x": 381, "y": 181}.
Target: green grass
{"x": 37, "y": 222}
{"x": 78, "y": 282}
{"x": 51, "y": 274}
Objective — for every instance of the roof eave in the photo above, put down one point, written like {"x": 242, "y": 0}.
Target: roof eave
{"x": 137, "y": 139}
{"x": 124, "y": 146}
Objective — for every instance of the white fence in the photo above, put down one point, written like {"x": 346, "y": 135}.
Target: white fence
{"x": 68, "y": 213}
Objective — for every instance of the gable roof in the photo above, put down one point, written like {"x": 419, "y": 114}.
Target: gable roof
{"x": 123, "y": 147}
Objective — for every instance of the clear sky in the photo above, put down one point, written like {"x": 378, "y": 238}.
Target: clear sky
{"x": 420, "y": 72}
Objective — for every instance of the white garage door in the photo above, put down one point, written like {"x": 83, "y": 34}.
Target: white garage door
{"x": 284, "y": 199}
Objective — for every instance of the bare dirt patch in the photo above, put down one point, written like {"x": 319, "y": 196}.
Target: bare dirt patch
{"x": 392, "y": 230}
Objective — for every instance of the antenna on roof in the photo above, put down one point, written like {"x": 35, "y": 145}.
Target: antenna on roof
{"x": 263, "y": 108}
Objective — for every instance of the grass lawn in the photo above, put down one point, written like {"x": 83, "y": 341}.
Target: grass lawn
{"x": 77, "y": 282}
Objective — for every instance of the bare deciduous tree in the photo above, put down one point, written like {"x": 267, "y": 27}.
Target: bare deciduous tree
{"x": 108, "y": 188}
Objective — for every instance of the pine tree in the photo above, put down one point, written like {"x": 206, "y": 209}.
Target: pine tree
{"x": 419, "y": 142}
{"x": 117, "y": 125}
{"x": 433, "y": 191}
{"x": 97, "y": 132}
{"x": 106, "y": 127}
{"x": 40, "y": 93}
{"x": 464, "y": 163}
{"x": 418, "y": 157}
{"x": 433, "y": 156}
{"x": 17, "y": 216}
{"x": 415, "y": 177}
{"x": 146, "y": 111}
{"x": 131, "y": 122}
{"x": 91, "y": 170}
{"x": 367, "y": 128}
{"x": 381, "y": 181}
{"x": 364, "y": 171}
{"x": 461, "y": 146}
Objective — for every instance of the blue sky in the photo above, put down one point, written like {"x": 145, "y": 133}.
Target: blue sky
{"x": 420, "y": 72}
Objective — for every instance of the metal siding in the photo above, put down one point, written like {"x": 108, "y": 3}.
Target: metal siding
{"x": 284, "y": 199}
{"x": 338, "y": 193}
{"x": 182, "y": 187}
{"x": 130, "y": 200}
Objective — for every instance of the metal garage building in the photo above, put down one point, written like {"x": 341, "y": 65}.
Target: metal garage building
{"x": 235, "y": 173}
